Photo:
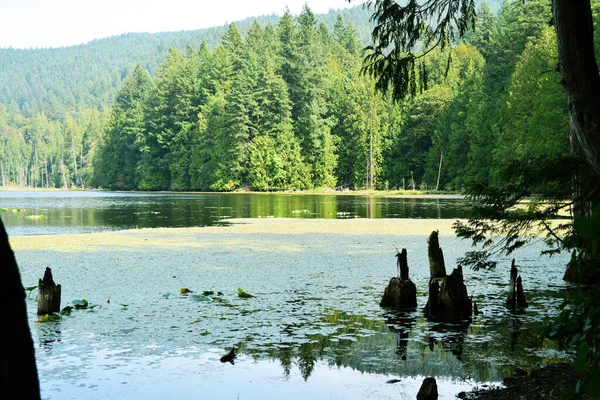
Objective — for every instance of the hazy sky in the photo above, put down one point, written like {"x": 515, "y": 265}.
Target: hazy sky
{"x": 55, "y": 23}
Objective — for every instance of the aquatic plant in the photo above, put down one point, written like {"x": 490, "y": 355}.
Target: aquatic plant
{"x": 30, "y": 289}
{"x": 243, "y": 294}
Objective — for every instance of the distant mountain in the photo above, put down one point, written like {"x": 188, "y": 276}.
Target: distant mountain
{"x": 56, "y": 80}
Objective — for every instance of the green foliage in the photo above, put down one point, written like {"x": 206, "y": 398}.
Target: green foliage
{"x": 285, "y": 107}
{"x": 578, "y": 325}
{"x": 243, "y": 294}
{"x": 30, "y": 289}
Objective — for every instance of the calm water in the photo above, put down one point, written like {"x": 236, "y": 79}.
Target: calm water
{"x": 75, "y": 212}
{"x": 314, "y": 329}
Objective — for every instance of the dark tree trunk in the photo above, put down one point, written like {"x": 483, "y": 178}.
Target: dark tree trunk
{"x": 516, "y": 296}
{"x": 18, "y": 372}
{"x": 437, "y": 268}
{"x": 48, "y": 294}
{"x": 575, "y": 37}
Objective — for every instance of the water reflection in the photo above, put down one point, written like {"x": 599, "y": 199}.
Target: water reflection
{"x": 449, "y": 336}
{"x": 401, "y": 322}
{"x": 49, "y": 334}
{"x": 72, "y": 212}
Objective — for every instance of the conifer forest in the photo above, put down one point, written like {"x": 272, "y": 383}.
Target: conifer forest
{"x": 281, "y": 104}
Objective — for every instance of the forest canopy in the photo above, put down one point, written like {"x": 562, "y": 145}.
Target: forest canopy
{"x": 283, "y": 105}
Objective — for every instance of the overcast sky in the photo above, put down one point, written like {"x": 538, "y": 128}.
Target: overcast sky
{"x": 56, "y": 23}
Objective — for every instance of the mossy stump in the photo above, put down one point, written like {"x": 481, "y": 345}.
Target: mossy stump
{"x": 449, "y": 301}
{"x": 48, "y": 294}
{"x": 401, "y": 292}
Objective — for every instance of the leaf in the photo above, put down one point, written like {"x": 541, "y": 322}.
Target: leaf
{"x": 243, "y": 294}
{"x": 66, "y": 311}
{"x": 80, "y": 304}
{"x": 208, "y": 293}
{"x": 199, "y": 298}
{"x": 184, "y": 290}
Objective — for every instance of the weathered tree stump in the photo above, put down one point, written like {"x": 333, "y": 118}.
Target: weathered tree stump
{"x": 516, "y": 296}
{"x": 48, "y": 294}
{"x": 401, "y": 292}
{"x": 428, "y": 390}
{"x": 451, "y": 301}
{"x": 18, "y": 372}
{"x": 448, "y": 298}
{"x": 437, "y": 267}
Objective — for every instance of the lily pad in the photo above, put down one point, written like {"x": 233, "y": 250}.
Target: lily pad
{"x": 243, "y": 294}
{"x": 80, "y": 304}
{"x": 199, "y": 297}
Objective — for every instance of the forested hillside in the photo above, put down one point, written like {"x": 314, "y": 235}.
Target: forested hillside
{"x": 283, "y": 105}
{"x": 58, "y": 79}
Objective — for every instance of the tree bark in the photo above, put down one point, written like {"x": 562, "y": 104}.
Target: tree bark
{"x": 437, "y": 267}
{"x": 18, "y": 372}
{"x": 48, "y": 294}
{"x": 575, "y": 38}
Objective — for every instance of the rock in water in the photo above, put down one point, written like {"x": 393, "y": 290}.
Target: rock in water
{"x": 428, "y": 390}
{"x": 229, "y": 356}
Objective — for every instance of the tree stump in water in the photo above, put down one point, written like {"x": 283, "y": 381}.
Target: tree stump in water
{"x": 401, "y": 292}
{"x": 450, "y": 300}
{"x": 428, "y": 390}
{"x": 437, "y": 267}
{"x": 516, "y": 296}
{"x": 48, "y": 294}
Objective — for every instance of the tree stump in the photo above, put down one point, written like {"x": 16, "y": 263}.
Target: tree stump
{"x": 428, "y": 390}
{"x": 401, "y": 292}
{"x": 516, "y": 296}
{"x": 48, "y": 294}
{"x": 437, "y": 267}
{"x": 451, "y": 301}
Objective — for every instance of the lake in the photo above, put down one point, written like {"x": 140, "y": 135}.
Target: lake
{"x": 95, "y": 211}
{"x": 313, "y": 329}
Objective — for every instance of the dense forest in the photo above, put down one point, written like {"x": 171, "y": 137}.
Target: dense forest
{"x": 281, "y": 103}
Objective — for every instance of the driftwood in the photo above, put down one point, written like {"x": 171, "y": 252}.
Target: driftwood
{"x": 401, "y": 292}
{"x": 48, "y": 294}
{"x": 516, "y": 296}
{"x": 437, "y": 267}
{"x": 18, "y": 372}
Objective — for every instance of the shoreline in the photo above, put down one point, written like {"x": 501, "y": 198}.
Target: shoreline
{"x": 417, "y": 194}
